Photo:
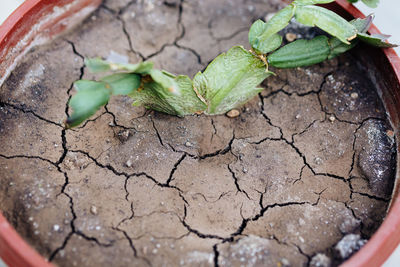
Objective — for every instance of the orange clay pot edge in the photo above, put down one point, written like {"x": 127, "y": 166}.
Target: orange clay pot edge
{"x": 33, "y": 18}
{"x": 16, "y": 252}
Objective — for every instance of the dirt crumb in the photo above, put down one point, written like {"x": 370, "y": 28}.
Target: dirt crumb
{"x": 320, "y": 260}
{"x": 349, "y": 244}
{"x": 256, "y": 251}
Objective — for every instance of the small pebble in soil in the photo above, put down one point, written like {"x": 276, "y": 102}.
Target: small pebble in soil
{"x": 285, "y": 262}
{"x": 56, "y": 228}
{"x": 290, "y": 37}
{"x": 188, "y": 144}
{"x": 349, "y": 244}
{"x": 332, "y": 118}
{"x": 233, "y": 113}
{"x": 128, "y": 163}
{"x": 269, "y": 16}
{"x": 354, "y": 95}
{"x": 389, "y": 133}
{"x": 320, "y": 260}
{"x": 318, "y": 161}
{"x": 93, "y": 210}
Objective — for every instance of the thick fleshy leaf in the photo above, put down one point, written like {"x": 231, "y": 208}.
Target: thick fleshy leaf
{"x": 301, "y": 53}
{"x": 98, "y": 65}
{"x": 86, "y": 102}
{"x": 375, "y": 40}
{"x": 313, "y": 2}
{"x": 337, "y": 47}
{"x": 230, "y": 80}
{"x": 122, "y": 83}
{"x": 371, "y": 3}
{"x": 327, "y": 21}
{"x": 173, "y": 96}
{"x": 263, "y": 37}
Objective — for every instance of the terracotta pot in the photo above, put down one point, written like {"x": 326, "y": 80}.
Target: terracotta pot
{"x": 36, "y": 21}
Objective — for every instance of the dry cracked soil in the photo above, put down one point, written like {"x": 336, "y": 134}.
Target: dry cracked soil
{"x": 303, "y": 177}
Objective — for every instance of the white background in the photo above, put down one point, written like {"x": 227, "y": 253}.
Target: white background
{"x": 387, "y": 19}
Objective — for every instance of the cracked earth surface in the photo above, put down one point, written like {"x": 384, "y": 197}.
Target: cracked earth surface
{"x": 307, "y": 162}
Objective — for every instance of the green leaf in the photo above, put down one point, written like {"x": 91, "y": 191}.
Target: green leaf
{"x": 82, "y": 85}
{"x": 98, "y": 65}
{"x": 86, "y": 102}
{"x": 362, "y": 25}
{"x": 230, "y": 80}
{"x": 312, "y": 2}
{"x": 375, "y": 40}
{"x": 163, "y": 93}
{"x": 337, "y": 47}
{"x": 270, "y": 44}
{"x": 327, "y": 21}
{"x": 301, "y": 53}
{"x": 122, "y": 83}
{"x": 371, "y": 3}
{"x": 263, "y": 37}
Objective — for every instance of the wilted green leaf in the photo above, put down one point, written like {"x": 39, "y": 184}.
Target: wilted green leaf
{"x": 122, "y": 83}
{"x": 87, "y": 101}
{"x": 230, "y": 80}
{"x": 337, "y": 47}
{"x": 263, "y": 37}
{"x": 362, "y": 25}
{"x": 98, "y": 65}
{"x": 312, "y": 2}
{"x": 327, "y": 21}
{"x": 301, "y": 53}
{"x": 371, "y": 3}
{"x": 270, "y": 44}
{"x": 173, "y": 96}
{"x": 82, "y": 85}
{"x": 375, "y": 40}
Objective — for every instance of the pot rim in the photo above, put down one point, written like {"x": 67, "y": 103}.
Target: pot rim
{"x": 15, "y": 251}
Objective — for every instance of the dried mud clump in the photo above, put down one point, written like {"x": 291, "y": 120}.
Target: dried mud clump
{"x": 302, "y": 176}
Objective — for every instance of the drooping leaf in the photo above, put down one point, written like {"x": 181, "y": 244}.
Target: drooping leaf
{"x": 270, "y": 44}
{"x": 327, "y": 21}
{"x": 82, "y": 85}
{"x": 301, "y": 53}
{"x": 98, "y": 65}
{"x": 122, "y": 83}
{"x": 85, "y": 103}
{"x": 163, "y": 93}
{"x": 337, "y": 47}
{"x": 263, "y": 37}
{"x": 377, "y": 40}
{"x": 371, "y": 3}
{"x": 230, "y": 79}
{"x": 362, "y": 25}
{"x": 313, "y": 2}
